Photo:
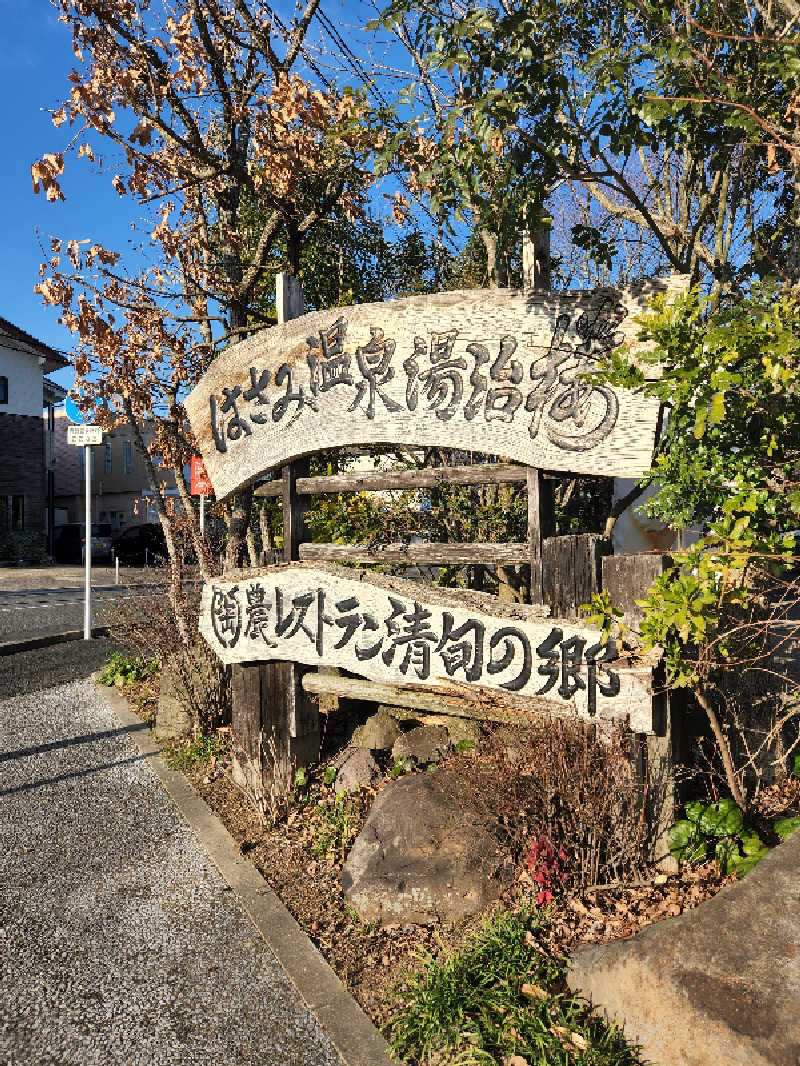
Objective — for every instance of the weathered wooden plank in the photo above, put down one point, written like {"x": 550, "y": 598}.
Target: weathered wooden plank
{"x": 372, "y": 691}
{"x": 572, "y": 571}
{"x": 427, "y": 554}
{"x": 590, "y": 550}
{"x": 383, "y": 480}
{"x": 626, "y": 579}
{"x": 451, "y": 643}
{"x": 270, "y": 489}
{"x": 498, "y": 372}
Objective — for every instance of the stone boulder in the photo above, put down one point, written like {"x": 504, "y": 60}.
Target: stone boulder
{"x": 378, "y": 733}
{"x": 716, "y": 985}
{"x": 424, "y": 744}
{"x": 357, "y": 769}
{"x": 457, "y": 728}
{"x": 424, "y": 855}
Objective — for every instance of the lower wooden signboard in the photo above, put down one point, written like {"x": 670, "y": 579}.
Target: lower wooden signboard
{"x": 444, "y": 640}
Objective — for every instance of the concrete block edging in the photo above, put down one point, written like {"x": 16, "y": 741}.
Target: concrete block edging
{"x": 346, "y": 1025}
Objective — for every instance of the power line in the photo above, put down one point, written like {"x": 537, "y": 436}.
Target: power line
{"x": 350, "y": 58}
{"x": 282, "y": 27}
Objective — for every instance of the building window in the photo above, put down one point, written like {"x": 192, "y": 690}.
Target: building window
{"x": 18, "y": 512}
{"x": 127, "y": 458}
{"x": 106, "y": 458}
{"x": 3, "y": 389}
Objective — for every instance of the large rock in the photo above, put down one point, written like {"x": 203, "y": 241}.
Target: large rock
{"x": 717, "y": 985}
{"x": 378, "y": 733}
{"x": 423, "y": 855}
{"x": 424, "y": 744}
{"x": 356, "y": 770}
{"x": 174, "y": 719}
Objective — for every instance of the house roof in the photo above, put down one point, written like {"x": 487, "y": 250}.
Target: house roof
{"x": 24, "y": 342}
{"x": 53, "y": 393}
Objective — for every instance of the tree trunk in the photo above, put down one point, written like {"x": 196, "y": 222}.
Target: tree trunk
{"x": 490, "y": 244}
{"x": 292, "y": 248}
{"x": 241, "y": 507}
{"x": 724, "y": 750}
{"x": 176, "y": 567}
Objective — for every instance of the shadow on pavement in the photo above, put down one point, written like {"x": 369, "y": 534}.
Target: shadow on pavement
{"x": 55, "y": 745}
{"x": 31, "y": 785}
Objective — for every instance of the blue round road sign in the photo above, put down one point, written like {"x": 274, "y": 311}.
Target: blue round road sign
{"x": 74, "y": 414}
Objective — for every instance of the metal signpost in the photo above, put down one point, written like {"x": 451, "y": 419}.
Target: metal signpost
{"x": 87, "y": 437}
{"x": 200, "y": 486}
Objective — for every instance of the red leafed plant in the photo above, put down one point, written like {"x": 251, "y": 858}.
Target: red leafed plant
{"x": 545, "y": 864}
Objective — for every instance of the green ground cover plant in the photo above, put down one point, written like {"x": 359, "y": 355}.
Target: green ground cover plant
{"x": 124, "y": 670}
{"x": 196, "y": 752}
{"x": 719, "y": 829}
{"x": 501, "y": 1000}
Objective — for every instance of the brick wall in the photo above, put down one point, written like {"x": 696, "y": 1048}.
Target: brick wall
{"x": 22, "y": 465}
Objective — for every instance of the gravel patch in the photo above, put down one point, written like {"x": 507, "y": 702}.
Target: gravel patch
{"x": 119, "y": 942}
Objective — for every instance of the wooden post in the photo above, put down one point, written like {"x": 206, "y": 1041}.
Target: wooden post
{"x": 284, "y": 679}
{"x": 626, "y": 579}
{"x": 536, "y": 259}
{"x": 288, "y": 297}
{"x": 268, "y": 700}
{"x": 541, "y": 524}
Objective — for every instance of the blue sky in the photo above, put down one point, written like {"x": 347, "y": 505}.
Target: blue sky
{"x": 35, "y": 60}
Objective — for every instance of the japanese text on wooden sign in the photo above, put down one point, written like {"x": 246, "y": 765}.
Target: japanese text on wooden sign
{"x": 314, "y": 617}
{"x": 498, "y": 373}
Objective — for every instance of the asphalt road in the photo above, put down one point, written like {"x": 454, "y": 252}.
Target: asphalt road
{"x": 39, "y": 612}
{"x": 33, "y": 671}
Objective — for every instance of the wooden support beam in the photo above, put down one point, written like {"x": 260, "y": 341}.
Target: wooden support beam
{"x": 294, "y": 509}
{"x": 428, "y": 554}
{"x": 541, "y": 524}
{"x": 269, "y": 490}
{"x": 375, "y": 692}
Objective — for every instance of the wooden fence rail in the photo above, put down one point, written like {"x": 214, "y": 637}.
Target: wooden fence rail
{"x": 384, "y": 480}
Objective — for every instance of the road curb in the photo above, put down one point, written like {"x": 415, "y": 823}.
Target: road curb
{"x": 348, "y": 1028}
{"x": 42, "y": 591}
{"x": 13, "y": 647}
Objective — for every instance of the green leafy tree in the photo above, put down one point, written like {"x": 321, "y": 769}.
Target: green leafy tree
{"x": 730, "y": 460}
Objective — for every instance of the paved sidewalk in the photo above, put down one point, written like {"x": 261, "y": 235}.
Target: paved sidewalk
{"x": 120, "y": 944}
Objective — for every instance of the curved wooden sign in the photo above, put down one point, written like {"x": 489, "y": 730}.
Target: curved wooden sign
{"x": 392, "y": 630}
{"x": 499, "y": 372}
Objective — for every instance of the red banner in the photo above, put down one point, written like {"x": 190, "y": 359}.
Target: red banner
{"x": 201, "y": 486}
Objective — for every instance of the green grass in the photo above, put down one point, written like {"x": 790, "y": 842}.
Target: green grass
{"x": 469, "y": 1008}
{"x": 333, "y": 826}
{"x": 195, "y": 752}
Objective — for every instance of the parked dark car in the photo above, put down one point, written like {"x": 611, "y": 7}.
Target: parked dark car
{"x": 142, "y": 545}
{"x": 70, "y": 542}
